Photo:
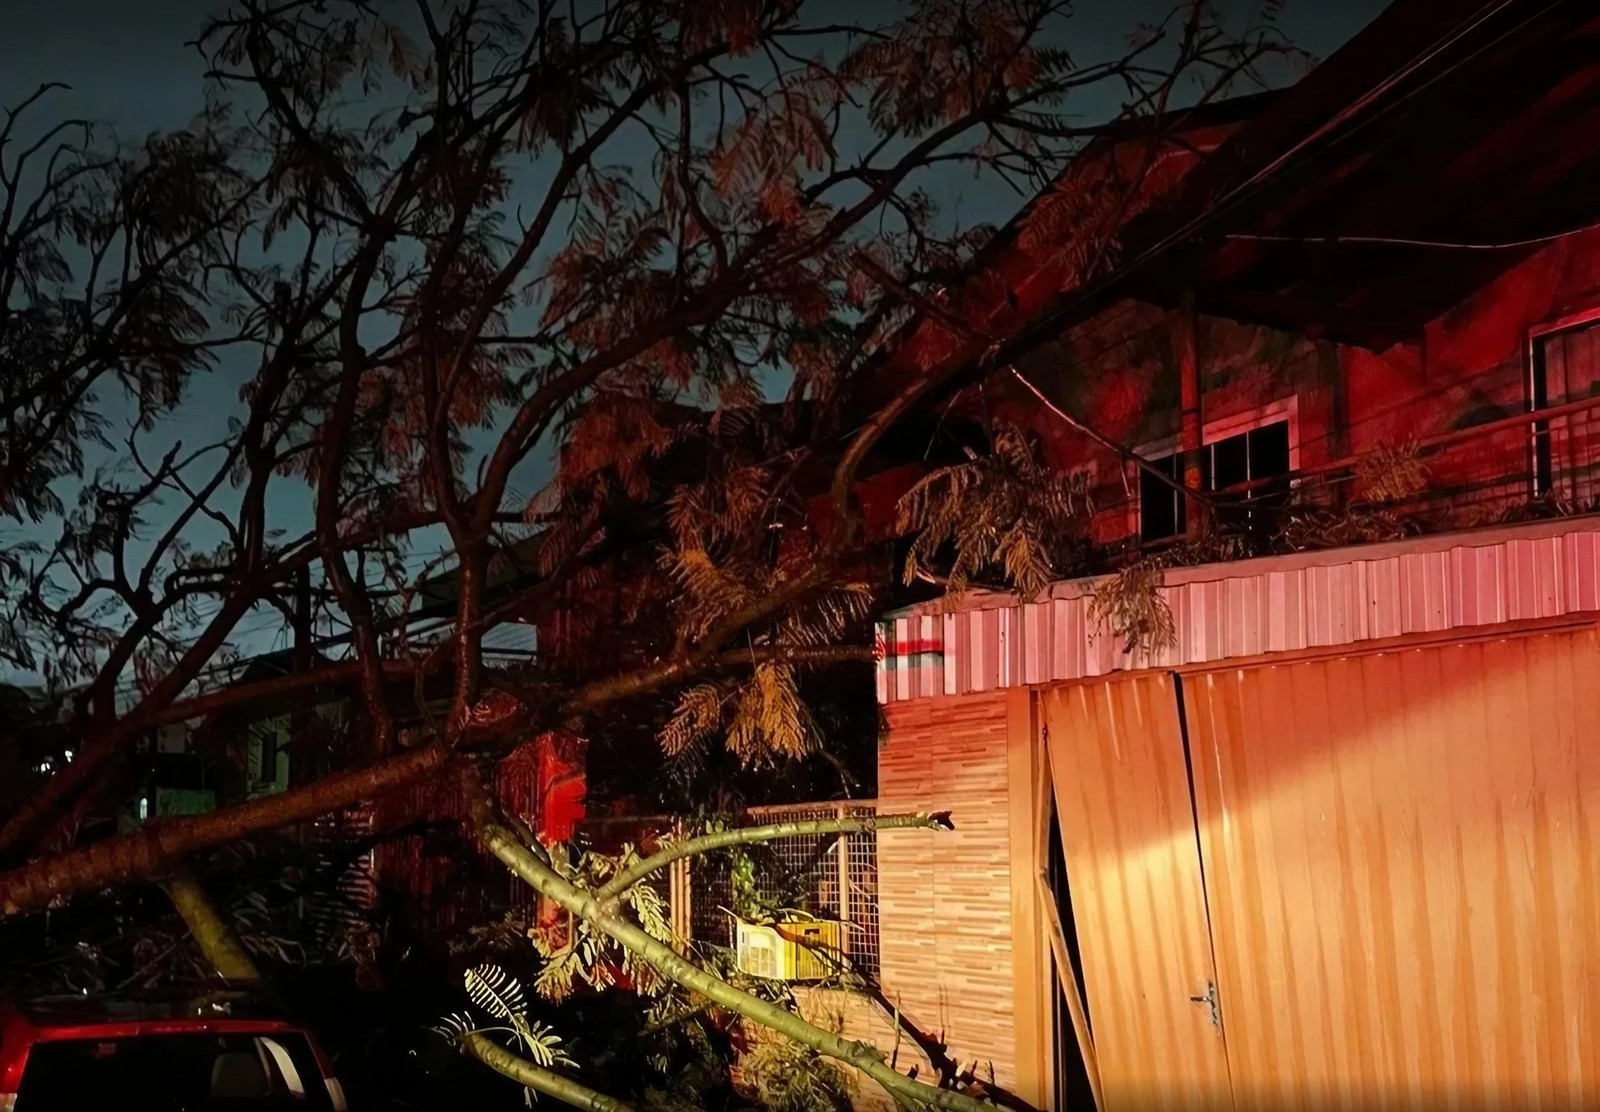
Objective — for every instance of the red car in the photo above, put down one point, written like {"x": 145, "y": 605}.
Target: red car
{"x": 85, "y": 1054}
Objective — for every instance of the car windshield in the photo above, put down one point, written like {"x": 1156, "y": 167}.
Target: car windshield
{"x": 175, "y": 1073}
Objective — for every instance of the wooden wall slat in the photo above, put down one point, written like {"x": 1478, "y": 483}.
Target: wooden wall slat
{"x": 944, "y": 901}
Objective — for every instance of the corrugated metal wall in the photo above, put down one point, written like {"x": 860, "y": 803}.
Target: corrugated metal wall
{"x": 1399, "y": 880}
{"x": 1127, "y": 826}
{"x": 1402, "y": 876}
{"x": 1252, "y": 607}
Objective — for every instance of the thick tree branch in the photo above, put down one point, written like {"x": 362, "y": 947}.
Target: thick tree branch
{"x": 540, "y": 1080}
{"x": 211, "y": 932}
{"x": 504, "y": 845}
{"x": 614, "y": 888}
{"x": 156, "y": 848}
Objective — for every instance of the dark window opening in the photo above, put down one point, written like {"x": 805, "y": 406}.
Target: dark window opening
{"x": 183, "y": 771}
{"x": 1162, "y": 512}
{"x": 1071, "y": 1073}
{"x": 268, "y": 742}
{"x": 1539, "y": 398}
{"x": 175, "y": 1073}
{"x": 1249, "y": 457}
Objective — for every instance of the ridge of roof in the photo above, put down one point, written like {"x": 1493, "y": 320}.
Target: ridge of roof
{"x": 1349, "y": 88}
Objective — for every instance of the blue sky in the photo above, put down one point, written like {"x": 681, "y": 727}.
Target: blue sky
{"x": 129, "y": 69}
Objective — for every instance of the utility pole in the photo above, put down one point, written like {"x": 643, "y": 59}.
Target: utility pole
{"x": 1191, "y": 428}
{"x": 300, "y": 748}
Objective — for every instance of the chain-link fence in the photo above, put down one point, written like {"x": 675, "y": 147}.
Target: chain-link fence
{"x": 828, "y": 876}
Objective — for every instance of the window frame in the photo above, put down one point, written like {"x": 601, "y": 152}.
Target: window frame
{"x": 1220, "y": 428}
{"x": 1541, "y": 479}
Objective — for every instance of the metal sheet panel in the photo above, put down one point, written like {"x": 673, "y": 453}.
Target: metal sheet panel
{"x": 1252, "y": 607}
{"x": 1401, "y": 871}
{"x": 1133, "y": 867}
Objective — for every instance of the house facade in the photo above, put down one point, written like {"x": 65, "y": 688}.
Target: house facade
{"x": 1325, "y": 841}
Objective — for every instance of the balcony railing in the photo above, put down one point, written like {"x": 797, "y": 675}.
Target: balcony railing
{"x": 1540, "y": 464}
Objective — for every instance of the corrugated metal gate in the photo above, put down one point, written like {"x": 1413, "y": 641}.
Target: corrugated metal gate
{"x": 1387, "y": 859}
{"x": 1122, "y": 799}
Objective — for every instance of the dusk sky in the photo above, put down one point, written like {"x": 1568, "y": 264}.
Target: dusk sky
{"x": 129, "y": 68}
{"x": 128, "y": 65}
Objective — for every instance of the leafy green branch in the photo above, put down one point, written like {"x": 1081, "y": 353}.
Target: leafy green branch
{"x": 770, "y": 832}
{"x": 501, "y": 996}
{"x": 587, "y": 909}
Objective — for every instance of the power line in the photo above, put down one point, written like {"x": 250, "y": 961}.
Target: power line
{"x": 1403, "y": 241}
{"x": 1347, "y": 118}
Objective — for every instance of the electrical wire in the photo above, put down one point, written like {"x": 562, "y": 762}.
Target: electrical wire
{"x": 1349, "y": 115}
{"x": 1259, "y": 178}
{"x": 1403, "y": 241}
{"x": 1127, "y": 454}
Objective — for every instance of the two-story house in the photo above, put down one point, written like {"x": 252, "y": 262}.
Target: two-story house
{"x": 1327, "y": 839}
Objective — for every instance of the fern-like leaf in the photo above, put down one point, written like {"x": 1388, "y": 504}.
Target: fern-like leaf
{"x": 1130, "y": 604}
{"x": 497, "y": 992}
{"x": 1008, "y": 511}
{"x": 699, "y": 712}
{"x": 455, "y": 1027}
{"x": 1391, "y": 473}
{"x": 770, "y": 719}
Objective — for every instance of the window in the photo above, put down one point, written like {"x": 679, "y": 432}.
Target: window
{"x": 1248, "y": 457}
{"x": 1235, "y": 452}
{"x": 1162, "y": 509}
{"x": 1565, "y": 367}
{"x": 268, "y": 757}
{"x": 173, "y": 738}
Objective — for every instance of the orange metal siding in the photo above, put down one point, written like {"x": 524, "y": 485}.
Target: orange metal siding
{"x": 1402, "y": 879}
{"x": 1127, "y": 825}
{"x": 944, "y": 900}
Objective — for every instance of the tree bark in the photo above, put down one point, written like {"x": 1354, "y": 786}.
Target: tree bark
{"x": 537, "y": 1078}
{"x": 146, "y": 853}
{"x": 216, "y": 939}
{"x": 219, "y": 943}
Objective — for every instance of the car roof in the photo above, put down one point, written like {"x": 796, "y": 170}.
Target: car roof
{"x": 119, "y": 1010}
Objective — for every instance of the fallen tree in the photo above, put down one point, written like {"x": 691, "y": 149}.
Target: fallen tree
{"x": 417, "y": 237}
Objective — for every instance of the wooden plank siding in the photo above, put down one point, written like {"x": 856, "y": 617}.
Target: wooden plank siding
{"x": 945, "y": 900}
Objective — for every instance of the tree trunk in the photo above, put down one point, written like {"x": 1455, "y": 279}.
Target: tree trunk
{"x": 146, "y": 853}
{"x": 219, "y": 943}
